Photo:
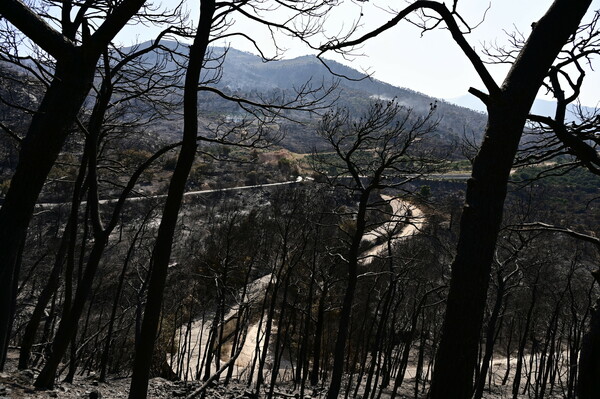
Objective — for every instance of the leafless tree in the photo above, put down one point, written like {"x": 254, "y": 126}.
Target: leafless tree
{"x": 383, "y": 148}
{"x": 508, "y": 108}
{"x": 75, "y": 40}
{"x": 213, "y": 22}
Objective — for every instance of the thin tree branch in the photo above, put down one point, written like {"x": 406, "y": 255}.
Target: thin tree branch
{"x": 452, "y": 26}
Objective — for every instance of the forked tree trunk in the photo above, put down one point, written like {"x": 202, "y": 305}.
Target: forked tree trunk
{"x": 47, "y": 132}
{"x": 456, "y": 358}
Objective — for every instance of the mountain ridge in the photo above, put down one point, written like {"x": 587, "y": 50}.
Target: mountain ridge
{"x": 245, "y": 74}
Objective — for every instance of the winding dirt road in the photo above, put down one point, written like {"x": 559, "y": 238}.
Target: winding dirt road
{"x": 406, "y": 220}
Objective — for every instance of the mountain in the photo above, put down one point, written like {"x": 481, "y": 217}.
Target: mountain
{"x": 243, "y": 74}
{"x": 246, "y": 72}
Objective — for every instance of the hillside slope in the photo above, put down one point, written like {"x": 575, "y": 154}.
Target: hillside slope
{"x": 246, "y": 73}
{"x": 243, "y": 74}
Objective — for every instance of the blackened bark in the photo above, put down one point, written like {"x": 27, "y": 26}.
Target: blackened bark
{"x": 344, "y": 323}
{"x": 490, "y": 338}
{"x": 420, "y": 362}
{"x": 68, "y": 325}
{"x": 318, "y": 338}
{"x": 279, "y": 338}
{"x": 162, "y": 249}
{"x": 38, "y": 152}
{"x": 456, "y": 359}
{"x": 588, "y": 384}
{"x": 378, "y": 343}
{"x": 273, "y": 287}
{"x": 72, "y": 310}
{"x": 241, "y": 324}
{"x": 49, "y": 128}
{"x": 40, "y": 306}
{"x": 113, "y": 313}
{"x": 523, "y": 339}
{"x": 54, "y": 278}
{"x": 508, "y": 350}
{"x": 45, "y": 296}
{"x": 302, "y": 372}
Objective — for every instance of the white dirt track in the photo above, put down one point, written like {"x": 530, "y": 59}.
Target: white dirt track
{"x": 406, "y": 220}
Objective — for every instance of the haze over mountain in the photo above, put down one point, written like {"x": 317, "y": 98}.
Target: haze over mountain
{"x": 245, "y": 72}
{"x": 540, "y": 106}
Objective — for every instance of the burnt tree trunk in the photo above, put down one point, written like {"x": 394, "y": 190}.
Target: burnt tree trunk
{"x": 490, "y": 338}
{"x": 318, "y": 337}
{"x": 523, "y": 339}
{"x": 344, "y": 323}
{"x": 39, "y": 151}
{"x": 508, "y": 108}
{"x": 113, "y": 313}
{"x": 588, "y": 384}
{"x": 47, "y": 132}
{"x": 54, "y": 278}
{"x": 162, "y": 249}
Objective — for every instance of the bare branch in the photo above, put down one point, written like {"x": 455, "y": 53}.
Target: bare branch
{"x": 10, "y": 132}
{"x": 539, "y": 226}
{"x": 448, "y": 17}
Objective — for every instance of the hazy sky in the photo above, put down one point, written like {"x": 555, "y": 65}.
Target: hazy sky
{"x": 432, "y": 63}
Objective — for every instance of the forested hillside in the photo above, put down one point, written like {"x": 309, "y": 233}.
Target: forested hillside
{"x": 244, "y": 75}
{"x": 247, "y": 74}
{"x": 183, "y": 220}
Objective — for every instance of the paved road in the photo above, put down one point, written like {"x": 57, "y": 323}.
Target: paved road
{"x": 51, "y": 205}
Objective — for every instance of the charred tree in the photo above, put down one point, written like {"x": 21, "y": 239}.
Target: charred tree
{"x": 508, "y": 107}
{"x": 73, "y": 78}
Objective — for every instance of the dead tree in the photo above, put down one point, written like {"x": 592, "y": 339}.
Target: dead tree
{"x": 370, "y": 152}
{"x": 508, "y": 107}
{"x": 162, "y": 249}
{"x": 121, "y": 78}
{"x": 213, "y": 23}
{"x": 76, "y": 46}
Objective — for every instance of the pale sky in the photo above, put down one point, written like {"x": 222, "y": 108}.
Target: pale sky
{"x": 432, "y": 63}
